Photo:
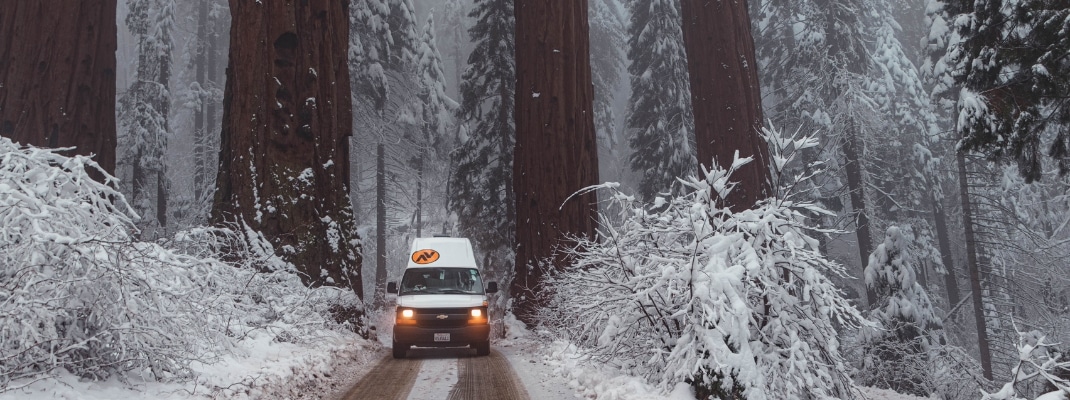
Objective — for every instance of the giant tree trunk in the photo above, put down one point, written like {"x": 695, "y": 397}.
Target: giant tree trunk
{"x": 973, "y": 267}
{"x": 555, "y": 154}
{"x": 725, "y": 95}
{"x": 57, "y": 75}
{"x": 284, "y": 156}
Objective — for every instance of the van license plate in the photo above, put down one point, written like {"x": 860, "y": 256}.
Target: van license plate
{"x": 442, "y": 337}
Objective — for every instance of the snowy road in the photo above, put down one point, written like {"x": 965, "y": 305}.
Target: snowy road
{"x": 429, "y": 374}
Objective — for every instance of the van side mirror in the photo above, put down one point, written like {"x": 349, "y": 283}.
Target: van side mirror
{"x": 392, "y": 287}
{"x": 492, "y": 287}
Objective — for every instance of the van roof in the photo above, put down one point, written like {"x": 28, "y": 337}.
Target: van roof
{"x": 441, "y": 252}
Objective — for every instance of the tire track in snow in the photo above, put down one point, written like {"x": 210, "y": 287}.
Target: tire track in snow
{"x": 390, "y": 379}
{"x": 489, "y": 378}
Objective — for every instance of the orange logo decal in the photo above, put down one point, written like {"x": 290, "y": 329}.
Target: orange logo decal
{"x": 425, "y": 256}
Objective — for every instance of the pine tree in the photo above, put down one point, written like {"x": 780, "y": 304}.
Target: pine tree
{"x": 607, "y": 63}
{"x": 896, "y": 353}
{"x": 144, "y": 110}
{"x": 435, "y": 113}
{"x": 382, "y": 52}
{"x": 1014, "y": 65}
{"x": 660, "y": 124}
{"x": 481, "y": 185}
{"x": 453, "y": 29}
{"x": 59, "y": 79}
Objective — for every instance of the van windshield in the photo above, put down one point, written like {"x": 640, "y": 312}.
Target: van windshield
{"x": 441, "y": 281}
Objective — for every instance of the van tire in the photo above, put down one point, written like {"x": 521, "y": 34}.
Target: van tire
{"x": 400, "y": 350}
{"x": 482, "y": 348}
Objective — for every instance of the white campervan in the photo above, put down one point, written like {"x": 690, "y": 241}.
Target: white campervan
{"x": 441, "y": 301}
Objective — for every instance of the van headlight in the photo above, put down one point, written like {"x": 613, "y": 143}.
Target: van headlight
{"x": 406, "y": 316}
{"x": 477, "y": 313}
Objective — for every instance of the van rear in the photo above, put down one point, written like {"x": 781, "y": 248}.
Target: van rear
{"x": 441, "y": 299}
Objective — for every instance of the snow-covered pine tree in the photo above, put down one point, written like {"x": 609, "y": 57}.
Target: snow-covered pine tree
{"x": 481, "y": 185}
{"x": 144, "y": 112}
{"x": 436, "y": 110}
{"x": 382, "y": 48}
{"x": 896, "y": 354}
{"x": 607, "y": 63}
{"x": 1013, "y": 60}
{"x": 660, "y": 127}
{"x": 453, "y": 28}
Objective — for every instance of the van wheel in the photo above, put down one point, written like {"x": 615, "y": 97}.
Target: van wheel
{"x": 400, "y": 350}
{"x": 482, "y": 348}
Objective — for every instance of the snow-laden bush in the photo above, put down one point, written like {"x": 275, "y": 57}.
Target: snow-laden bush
{"x": 686, "y": 290}
{"x": 896, "y": 353}
{"x": 78, "y": 293}
{"x": 1041, "y": 369}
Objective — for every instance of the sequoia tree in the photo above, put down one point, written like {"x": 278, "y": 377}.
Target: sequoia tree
{"x": 555, "y": 154}
{"x": 57, "y": 75}
{"x": 725, "y": 95}
{"x": 284, "y": 155}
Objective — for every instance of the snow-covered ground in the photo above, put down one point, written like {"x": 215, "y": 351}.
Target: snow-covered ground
{"x": 264, "y": 369}
{"x": 549, "y": 369}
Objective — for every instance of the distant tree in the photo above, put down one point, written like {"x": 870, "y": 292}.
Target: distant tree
{"x": 481, "y": 185}
{"x": 556, "y": 152}
{"x": 382, "y": 60}
{"x": 453, "y": 29}
{"x": 660, "y": 125}
{"x": 58, "y": 78}
{"x": 607, "y": 63}
{"x": 285, "y": 142}
{"x": 436, "y": 110}
{"x": 205, "y": 93}
{"x": 725, "y": 94}
{"x": 144, "y": 113}
{"x": 896, "y": 354}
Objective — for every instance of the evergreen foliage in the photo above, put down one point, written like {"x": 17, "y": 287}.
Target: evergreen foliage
{"x": 607, "y": 64}
{"x": 481, "y": 186}
{"x": 896, "y": 354}
{"x": 660, "y": 125}
{"x": 1016, "y": 77}
{"x": 143, "y": 112}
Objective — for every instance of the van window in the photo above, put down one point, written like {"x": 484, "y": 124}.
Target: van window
{"x": 441, "y": 281}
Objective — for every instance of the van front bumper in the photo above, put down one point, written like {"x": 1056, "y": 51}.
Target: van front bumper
{"x": 441, "y": 337}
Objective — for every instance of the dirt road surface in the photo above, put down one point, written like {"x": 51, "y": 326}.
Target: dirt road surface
{"x": 477, "y": 378}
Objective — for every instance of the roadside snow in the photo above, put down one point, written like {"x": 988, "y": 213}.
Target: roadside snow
{"x": 265, "y": 369}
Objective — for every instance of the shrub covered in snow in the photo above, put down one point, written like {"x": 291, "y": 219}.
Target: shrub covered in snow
{"x": 896, "y": 353}
{"x": 1041, "y": 369}
{"x": 731, "y": 303}
{"x": 78, "y": 293}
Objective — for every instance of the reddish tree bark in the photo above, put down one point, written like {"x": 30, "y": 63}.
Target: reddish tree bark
{"x": 725, "y": 94}
{"x": 555, "y": 153}
{"x": 284, "y": 155}
{"x": 57, "y": 75}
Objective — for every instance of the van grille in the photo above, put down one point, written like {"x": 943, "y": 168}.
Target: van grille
{"x": 442, "y": 317}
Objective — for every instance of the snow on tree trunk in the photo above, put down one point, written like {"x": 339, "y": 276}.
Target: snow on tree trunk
{"x": 284, "y": 156}
{"x": 556, "y": 152}
{"x": 57, "y": 76}
{"x": 725, "y": 94}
